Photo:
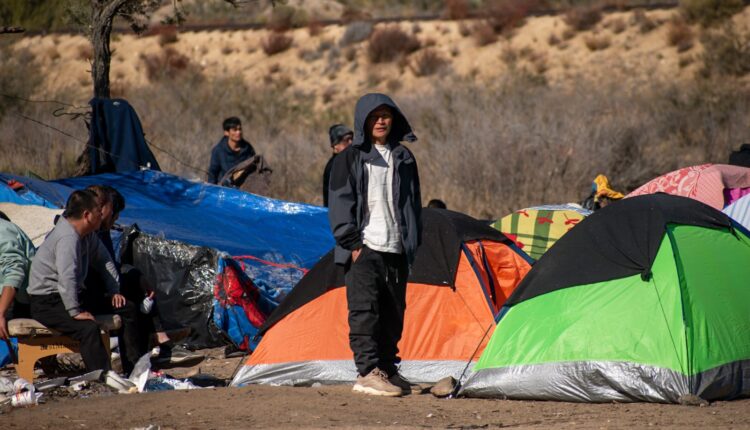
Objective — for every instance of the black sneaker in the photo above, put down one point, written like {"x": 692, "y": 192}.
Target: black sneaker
{"x": 176, "y": 356}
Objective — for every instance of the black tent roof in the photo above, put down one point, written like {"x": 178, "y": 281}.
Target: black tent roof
{"x": 436, "y": 262}
{"x": 620, "y": 240}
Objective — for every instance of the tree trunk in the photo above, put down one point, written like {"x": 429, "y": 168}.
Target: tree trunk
{"x": 102, "y": 15}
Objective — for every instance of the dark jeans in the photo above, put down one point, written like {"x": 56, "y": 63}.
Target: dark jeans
{"x": 50, "y": 311}
{"x": 376, "y": 296}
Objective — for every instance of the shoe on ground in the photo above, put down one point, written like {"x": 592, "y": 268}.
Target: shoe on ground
{"x": 176, "y": 356}
{"x": 401, "y": 382}
{"x": 376, "y": 383}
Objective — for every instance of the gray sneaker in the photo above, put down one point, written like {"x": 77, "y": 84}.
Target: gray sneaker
{"x": 376, "y": 383}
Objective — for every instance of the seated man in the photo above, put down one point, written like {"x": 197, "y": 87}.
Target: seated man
{"x": 16, "y": 252}
{"x": 136, "y": 288}
{"x": 231, "y": 150}
{"x": 56, "y": 284}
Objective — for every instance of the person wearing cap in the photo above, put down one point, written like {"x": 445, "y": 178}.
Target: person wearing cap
{"x": 341, "y": 137}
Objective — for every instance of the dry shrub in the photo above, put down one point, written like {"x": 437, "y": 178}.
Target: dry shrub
{"x": 484, "y": 34}
{"x": 680, "y": 35}
{"x": 597, "y": 42}
{"x": 315, "y": 28}
{"x": 350, "y": 53}
{"x": 582, "y": 18}
{"x": 356, "y": 32}
{"x": 464, "y": 30}
{"x": 167, "y": 34}
{"x": 685, "y": 60}
{"x": 393, "y": 85}
{"x": 632, "y": 136}
{"x": 644, "y": 23}
{"x": 710, "y": 13}
{"x": 284, "y": 18}
{"x": 20, "y": 76}
{"x": 352, "y": 13}
{"x": 505, "y": 15}
{"x": 167, "y": 64}
{"x": 456, "y": 9}
{"x": 52, "y": 53}
{"x": 276, "y": 43}
{"x": 618, "y": 25}
{"x": 725, "y": 52}
{"x": 85, "y": 52}
{"x": 389, "y": 43}
{"x": 428, "y": 62}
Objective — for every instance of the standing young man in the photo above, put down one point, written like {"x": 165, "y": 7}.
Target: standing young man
{"x": 231, "y": 150}
{"x": 375, "y": 214}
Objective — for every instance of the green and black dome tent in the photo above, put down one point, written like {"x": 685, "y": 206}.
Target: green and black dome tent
{"x": 647, "y": 299}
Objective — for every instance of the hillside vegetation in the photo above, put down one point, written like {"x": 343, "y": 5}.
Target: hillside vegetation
{"x": 509, "y": 113}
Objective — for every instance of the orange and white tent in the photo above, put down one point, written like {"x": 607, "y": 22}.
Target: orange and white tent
{"x": 463, "y": 273}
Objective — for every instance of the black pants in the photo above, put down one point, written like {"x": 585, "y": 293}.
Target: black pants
{"x": 129, "y": 337}
{"x": 50, "y": 311}
{"x": 376, "y": 296}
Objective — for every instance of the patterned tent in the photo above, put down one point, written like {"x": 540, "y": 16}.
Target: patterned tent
{"x": 534, "y": 230}
{"x": 716, "y": 185}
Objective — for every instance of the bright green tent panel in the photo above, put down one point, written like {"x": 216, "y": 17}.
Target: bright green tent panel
{"x": 715, "y": 268}
{"x": 628, "y": 320}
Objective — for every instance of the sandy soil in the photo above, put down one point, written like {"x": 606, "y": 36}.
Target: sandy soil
{"x": 284, "y": 407}
{"x": 337, "y": 406}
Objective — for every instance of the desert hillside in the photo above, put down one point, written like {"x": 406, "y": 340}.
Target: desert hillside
{"x": 333, "y": 62}
{"x": 509, "y": 113}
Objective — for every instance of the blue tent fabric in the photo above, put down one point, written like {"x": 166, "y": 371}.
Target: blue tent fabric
{"x": 226, "y": 219}
{"x": 275, "y": 242}
{"x": 24, "y": 196}
{"x": 116, "y": 139}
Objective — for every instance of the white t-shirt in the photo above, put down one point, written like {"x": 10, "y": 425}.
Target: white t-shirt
{"x": 381, "y": 232}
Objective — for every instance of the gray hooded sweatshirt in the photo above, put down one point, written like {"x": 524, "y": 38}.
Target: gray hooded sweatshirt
{"x": 347, "y": 204}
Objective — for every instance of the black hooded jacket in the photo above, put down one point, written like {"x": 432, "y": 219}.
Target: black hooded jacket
{"x": 347, "y": 194}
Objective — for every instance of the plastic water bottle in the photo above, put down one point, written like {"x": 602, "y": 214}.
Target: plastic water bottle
{"x": 146, "y": 305}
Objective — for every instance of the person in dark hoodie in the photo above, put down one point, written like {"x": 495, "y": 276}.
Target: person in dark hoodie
{"x": 231, "y": 150}
{"x": 341, "y": 137}
{"x": 375, "y": 214}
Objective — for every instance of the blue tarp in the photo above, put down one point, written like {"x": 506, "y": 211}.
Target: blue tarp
{"x": 226, "y": 219}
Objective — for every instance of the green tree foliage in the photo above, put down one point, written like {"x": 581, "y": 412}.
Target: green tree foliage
{"x": 40, "y": 15}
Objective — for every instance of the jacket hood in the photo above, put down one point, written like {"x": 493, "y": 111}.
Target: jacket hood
{"x": 400, "y": 131}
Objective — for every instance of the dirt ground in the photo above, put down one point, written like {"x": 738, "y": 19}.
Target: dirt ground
{"x": 338, "y": 407}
